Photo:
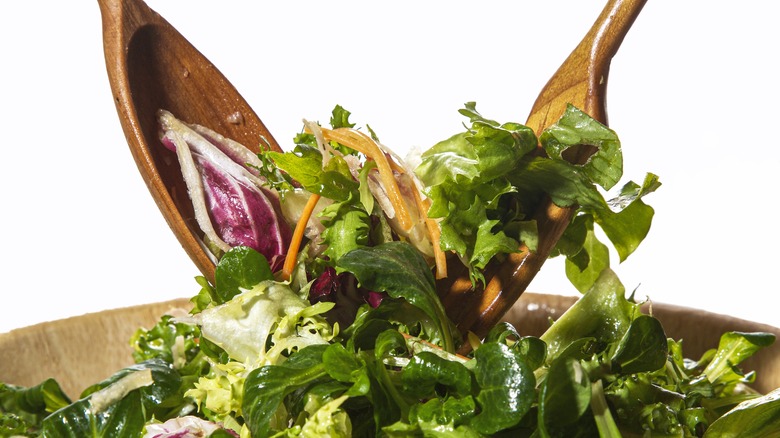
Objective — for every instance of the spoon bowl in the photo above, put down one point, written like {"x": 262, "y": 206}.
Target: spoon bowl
{"x": 151, "y": 66}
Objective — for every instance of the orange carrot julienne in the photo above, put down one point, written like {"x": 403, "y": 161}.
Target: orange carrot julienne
{"x": 434, "y": 232}
{"x": 364, "y": 144}
{"x": 297, "y": 237}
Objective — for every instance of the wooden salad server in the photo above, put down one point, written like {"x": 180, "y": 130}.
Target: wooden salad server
{"x": 581, "y": 81}
{"x": 151, "y": 66}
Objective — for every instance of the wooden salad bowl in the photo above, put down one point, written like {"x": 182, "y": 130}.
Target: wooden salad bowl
{"x": 83, "y": 350}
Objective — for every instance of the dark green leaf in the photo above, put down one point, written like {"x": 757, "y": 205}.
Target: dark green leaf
{"x": 506, "y": 388}
{"x": 734, "y": 347}
{"x": 400, "y": 270}
{"x": 565, "y": 392}
{"x": 603, "y": 312}
{"x": 759, "y": 417}
{"x": 426, "y": 371}
{"x": 265, "y": 388}
{"x": 124, "y": 417}
{"x": 346, "y": 367}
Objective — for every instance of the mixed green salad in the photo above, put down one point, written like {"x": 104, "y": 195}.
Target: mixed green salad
{"x": 324, "y": 320}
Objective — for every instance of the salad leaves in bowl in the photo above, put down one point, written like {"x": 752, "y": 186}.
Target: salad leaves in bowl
{"x": 605, "y": 367}
{"x": 337, "y": 328}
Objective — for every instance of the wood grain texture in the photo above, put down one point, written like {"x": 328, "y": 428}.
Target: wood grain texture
{"x": 77, "y": 351}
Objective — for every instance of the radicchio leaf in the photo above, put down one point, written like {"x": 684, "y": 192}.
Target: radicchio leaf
{"x": 231, "y": 205}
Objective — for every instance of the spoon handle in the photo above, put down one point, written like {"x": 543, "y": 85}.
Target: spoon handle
{"x": 582, "y": 81}
{"x": 582, "y": 78}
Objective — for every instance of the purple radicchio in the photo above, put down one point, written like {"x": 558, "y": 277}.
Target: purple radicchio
{"x": 232, "y": 206}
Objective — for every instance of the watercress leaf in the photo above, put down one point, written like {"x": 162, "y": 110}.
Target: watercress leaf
{"x": 400, "y": 270}
{"x": 565, "y": 393}
{"x": 573, "y": 239}
{"x": 503, "y": 333}
{"x": 23, "y": 408}
{"x": 389, "y": 404}
{"x": 506, "y": 388}
{"x": 240, "y": 268}
{"x": 575, "y": 127}
{"x": 643, "y": 348}
{"x": 752, "y": 418}
{"x": 427, "y": 371}
{"x": 390, "y": 343}
{"x": 395, "y": 314}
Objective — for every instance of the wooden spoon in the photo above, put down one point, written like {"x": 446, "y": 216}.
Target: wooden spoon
{"x": 150, "y": 67}
{"x": 581, "y": 81}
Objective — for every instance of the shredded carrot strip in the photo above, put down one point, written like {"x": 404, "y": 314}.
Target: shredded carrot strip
{"x": 439, "y": 258}
{"x": 297, "y": 237}
{"x": 364, "y": 144}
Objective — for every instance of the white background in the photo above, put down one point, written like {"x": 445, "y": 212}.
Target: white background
{"x": 693, "y": 94}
